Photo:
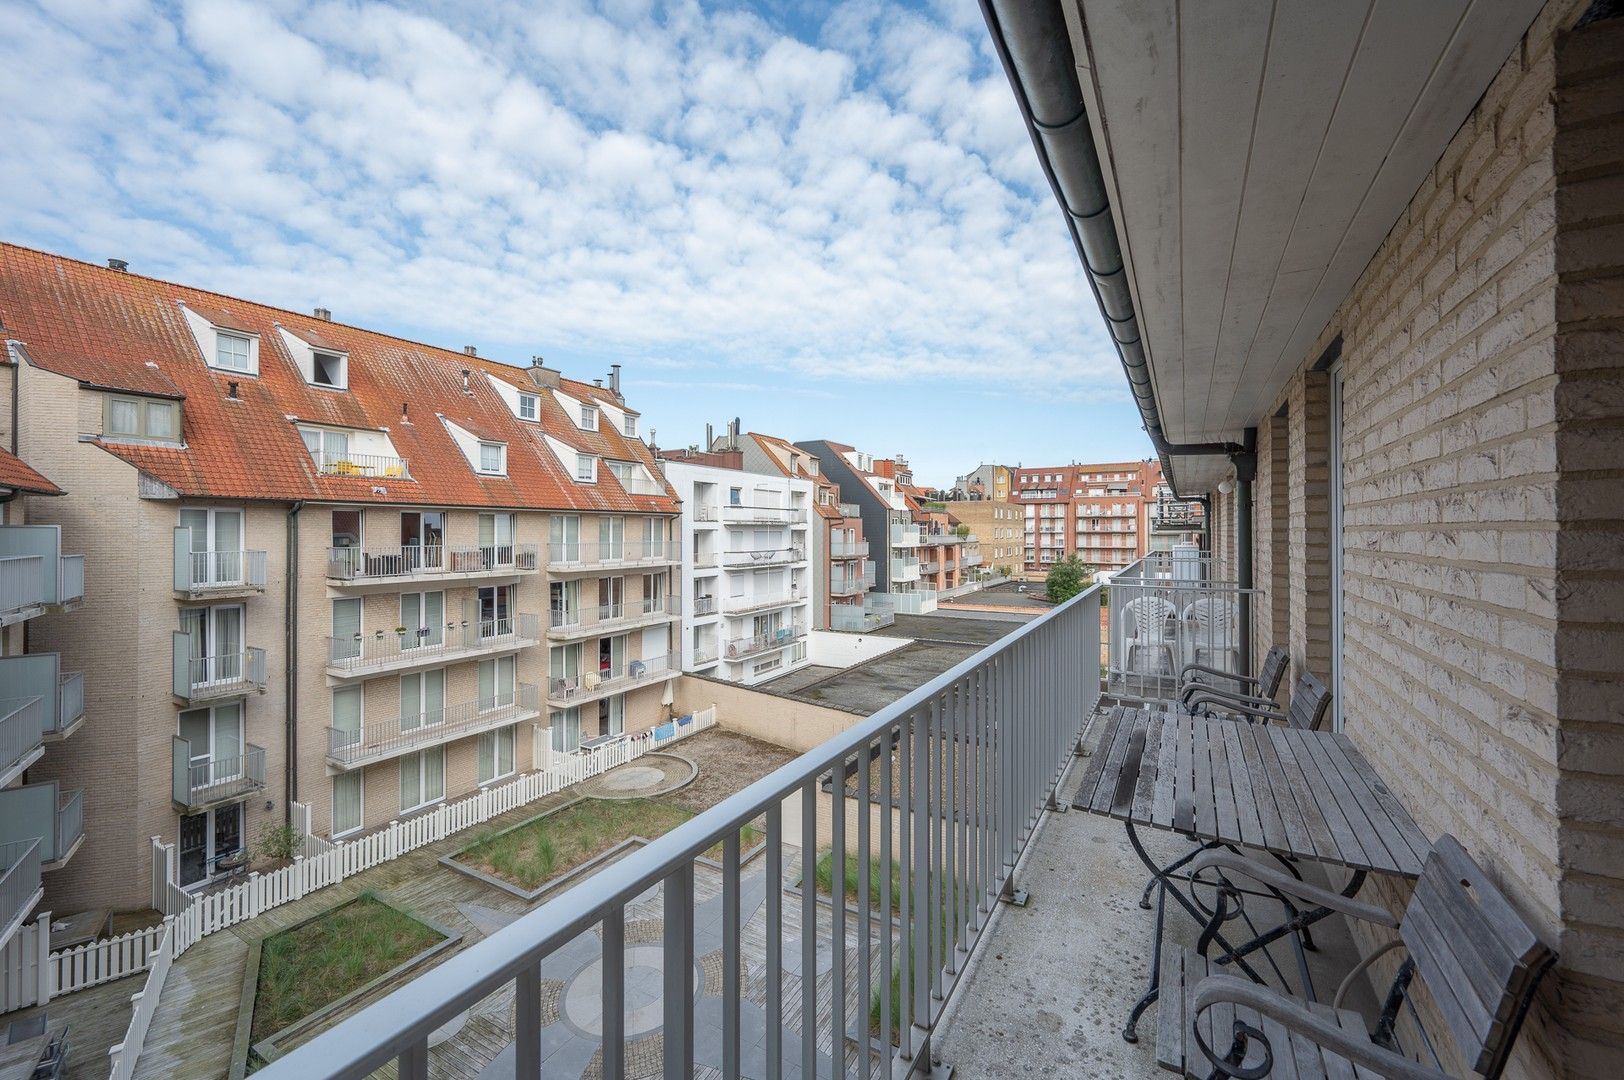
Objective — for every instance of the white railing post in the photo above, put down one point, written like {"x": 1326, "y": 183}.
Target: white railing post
{"x": 45, "y": 986}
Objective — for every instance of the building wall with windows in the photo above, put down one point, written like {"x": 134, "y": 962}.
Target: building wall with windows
{"x": 1099, "y": 512}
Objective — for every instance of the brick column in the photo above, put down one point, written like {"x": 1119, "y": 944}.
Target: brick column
{"x": 1308, "y": 525}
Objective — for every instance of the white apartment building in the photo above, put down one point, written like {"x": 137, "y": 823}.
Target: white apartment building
{"x": 745, "y": 538}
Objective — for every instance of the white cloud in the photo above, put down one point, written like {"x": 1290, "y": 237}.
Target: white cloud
{"x": 646, "y": 180}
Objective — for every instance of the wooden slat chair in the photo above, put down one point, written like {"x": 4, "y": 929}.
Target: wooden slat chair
{"x": 1478, "y": 958}
{"x": 1195, "y": 678}
{"x": 1310, "y": 703}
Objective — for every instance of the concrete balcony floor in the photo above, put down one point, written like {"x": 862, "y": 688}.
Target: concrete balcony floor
{"x": 1048, "y": 992}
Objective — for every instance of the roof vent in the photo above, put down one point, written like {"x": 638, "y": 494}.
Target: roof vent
{"x": 404, "y": 418}
{"x": 118, "y": 264}
{"x": 467, "y": 387}
{"x": 231, "y": 389}
{"x": 598, "y": 383}
{"x": 469, "y": 350}
{"x": 323, "y": 314}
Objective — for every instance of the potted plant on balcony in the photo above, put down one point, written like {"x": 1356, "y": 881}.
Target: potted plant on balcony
{"x": 400, "y": 632}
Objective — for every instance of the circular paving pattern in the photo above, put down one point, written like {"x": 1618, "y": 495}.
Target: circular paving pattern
{"x": 582, "y": 1006}
{"x": 649, "y": 777}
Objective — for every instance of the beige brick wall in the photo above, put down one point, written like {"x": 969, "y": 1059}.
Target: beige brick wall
{"x": 1481, "y": 515}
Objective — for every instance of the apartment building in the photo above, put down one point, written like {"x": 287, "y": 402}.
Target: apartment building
{"x": 340, "y": 568}
{"x": 983, "y": 483}
{"x": 744, "y": 538}
{"x": 1101, "y": 513}
{"x": 1000, "y": 529}
{"x": 874, "y": 489}
{"x": 41, "y": 705}
{"x": 841, "y": 571}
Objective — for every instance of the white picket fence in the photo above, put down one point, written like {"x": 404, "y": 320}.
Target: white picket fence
{"x": 143, "y": 1005}
{"x": 31, "y": 974}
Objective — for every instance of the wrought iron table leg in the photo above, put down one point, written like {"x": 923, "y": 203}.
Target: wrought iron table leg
{"x": 1130, "y": 1032}
{"x": 1172, "y": 867}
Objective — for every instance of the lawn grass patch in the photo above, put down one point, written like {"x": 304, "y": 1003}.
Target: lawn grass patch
{"x": 308, "y": 966}
{"x": 823, "y": 873}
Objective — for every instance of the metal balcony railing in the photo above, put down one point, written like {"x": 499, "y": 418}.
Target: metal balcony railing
{"x": 745, "y": 605}
{"x": 70, "y": 579}
{"x": 34, "y": 574}
{"x": 208, "y": 678}
{"x": 607, "y": 618}
{"x": 70, "y": 697}
{"x": 590, "y": 686}
{"x": 206, "y": 781}
{"x": 19, "y": 884}
{"x": 429, "y": 561}
{"x": 765, "y": 557}
{"x": 564, "y": 556}
{"x": 847, "y": 586}
{"x": 960, "y": 769}
{"x": 856, "y": 549}
{"x": 45, "y": 812}
{"x": 199, "y": 573}
{"x": 375, "y": 466}
{"x": 704, "y": 605}
{"x": 23, "y": 723}
{"x": 391, "y": 650}
{"x": 706, "y": 656}
{"x": 22, "y": 583}
{"x": 739, "y": 648}
{"x": 70, "y": 823}
{"x": 379, "y": 740}
{"x": 1167, "y": 610}
{"x": 742, "y": 514}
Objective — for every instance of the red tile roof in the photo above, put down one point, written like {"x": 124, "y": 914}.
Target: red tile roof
{"x": 17, "y": 475}
{"x": 116, "y": 330}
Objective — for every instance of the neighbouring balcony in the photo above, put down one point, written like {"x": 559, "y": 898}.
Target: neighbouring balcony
{"x": 640, "y": 485}
{"x": 363, "y": 655}
{"x": 380, "y": 740}
{"x": 708, "y": 515}
{"x": 850, "y": 510}
{"x": 905, "y": 536}
{"x": 917, "y": 602}
{"x": 23, "y": 724}
{"x": 35, "y": 576}
{"x": 749, "y": 605}
{"x": 389, "y": 567}
{"x": 362, "y": 466}
{"x": 566, "y": 623}
{"x": 756, "y": 644}
{"x": 971, "y": 558}
{"x": 855, "y": 618}
{"x": 704, "y": 605}
{"x": 706, "y": 656}
{"x": 904, "y": 570}
{"x": 20, "y": 887}
{"x": 855, "y": 549}
{"x": 850, "y": 585}
{"x": 871, "y": 574}
{"x": 216, "y": 574}
{"x": 739, "y": 514}
{"x": 1168, "y": 609}
{"x": 204, "y": 781}
{"x": 783, "y": 556}
{"x": 704, "y": 560}
{"x": 592, "y": 685}
{"x": 39, "y": 675}
{"x": 212, "y": 678}
{"x": 46, "y": 813}
{"x": 930, "y": 566}
{"x": 567, "y": 558}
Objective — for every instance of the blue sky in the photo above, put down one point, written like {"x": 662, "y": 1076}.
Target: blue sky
{"x": 824, "y": 219}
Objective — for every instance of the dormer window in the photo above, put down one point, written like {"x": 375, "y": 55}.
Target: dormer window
{"x": 330, "y": 369}
{"x": 493, "y": 459}
{"x": 589, "y": 418}
{"x": 132, "y": 419}
{"x": 586, "y": 468}
{"x": 529, "y": 407}
{"x": 631, "y": 427}
{"x": 232, "y": 352}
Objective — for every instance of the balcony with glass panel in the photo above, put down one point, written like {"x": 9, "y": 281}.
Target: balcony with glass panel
{"x": 764, "y": 557}
{"x": 380, "y": 740}
{"x": 61, "y": 693}
{"x": 215, "y": 574}
{"x": 377, "y": 568}
{"x": 35, "y": 577}
{"x": 742, "y": 514}
{"x": 47, "y": 813}
{"x": 200, "y": 676}
{"x": 848, "y": 549}
{"x": 379, "y": 652}
{"x": 755, "y": 644}
{"x": 200, "y": 781}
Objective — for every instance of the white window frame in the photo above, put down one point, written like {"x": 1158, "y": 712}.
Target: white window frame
{"x": 249, "y": 367}
{"x": 341, "y": 363}
{"x": 589, "y": 418}
{"x": 534, "y": 402}
{"x": 360, "y": 778}
{"x": 493, "y": 740}
{"x": 591, "y": 464}
{"x": 630, "y": 427}
{"x": 501, "y": 459}
{"x": 418, "y": 758}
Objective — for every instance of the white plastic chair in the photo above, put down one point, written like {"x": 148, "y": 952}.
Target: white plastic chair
{"x": 1149, "y": 620}
{"x": 1213, "y": 633}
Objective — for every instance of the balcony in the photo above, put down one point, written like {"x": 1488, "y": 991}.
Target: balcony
{"x": 203, "y": 781}
{"x": 380, "y": 740}
{"x": 871, "y": 574}
{"x": 905, "y": 536}
{"x": 706, "y": 515}
{"x": 857, "y": 619}
{"x": 1021, "y": 743}
{"x": 391, "y": 567}
{"x": 35, "y": 577}
{"x": 46, "y": 813}
{"x": 850, "y": 510}
{"x": 362, "y": 656}
{"x": 851, "y": 585}
{"x": 362, "y": 466}
{"x": 591, "y": 686}
{"x": 749, "y": 605}
{"x": 39, "y": 675}
{"x": 566, "y": 558}
{"x": 755, "y": 645}
{"x": 606, "y": 619}
{"x": 916, "y": 602}
{"x": 930, "y": 566}
{"x": 216, "y": 574}
{"x": 197, "y": 679}
{"x": 856, "y": 549}
{"x": 765, "y": 557}
{"x": 23, "y": 724}
{"x": 704, "y": 605}
{"x": 938, "y": 538}
{"x": 20, "y": 887}
{"x": 971, "y": 558}
{"x": 739, "y": 514}
{"x": 705, "y": 657}
{"x": 904, "y": 570}
{"x": 705, "y": 560}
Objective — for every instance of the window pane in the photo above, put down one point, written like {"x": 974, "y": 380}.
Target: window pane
{"x": 411, "y": 781}
{"x": 490, "y": 457}
{"x": 434, "y": 773}
{"x": 347, "y": 709}
{"x": 527, "y": 406}
{"x": 583, "y": 467}
{"x": 346, "y": 802}
{"x": 122, "y": 417}
{"x": 160, "y": 420}
{"x": 231, "y": 351}
{"x": 487, "y": 756}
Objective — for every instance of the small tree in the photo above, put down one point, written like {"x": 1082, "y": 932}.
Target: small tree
{"x": 961, "y": 530}
{"x": 1068, "y": 578}
{"x": 1006, "y": 570}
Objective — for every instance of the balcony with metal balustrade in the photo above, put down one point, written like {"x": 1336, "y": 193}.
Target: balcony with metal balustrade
{"x": 382, "y": 652}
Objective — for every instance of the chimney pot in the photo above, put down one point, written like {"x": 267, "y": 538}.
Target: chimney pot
{"x": 324, "y": 315}
{"x": 597, "y": 382}
{"x": 118, "y": 264}
{"x": 470, "y": 350}
{"x": 467, "y": 388}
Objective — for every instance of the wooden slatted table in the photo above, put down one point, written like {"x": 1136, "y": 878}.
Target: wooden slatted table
{"x": 1301, "y": 795}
